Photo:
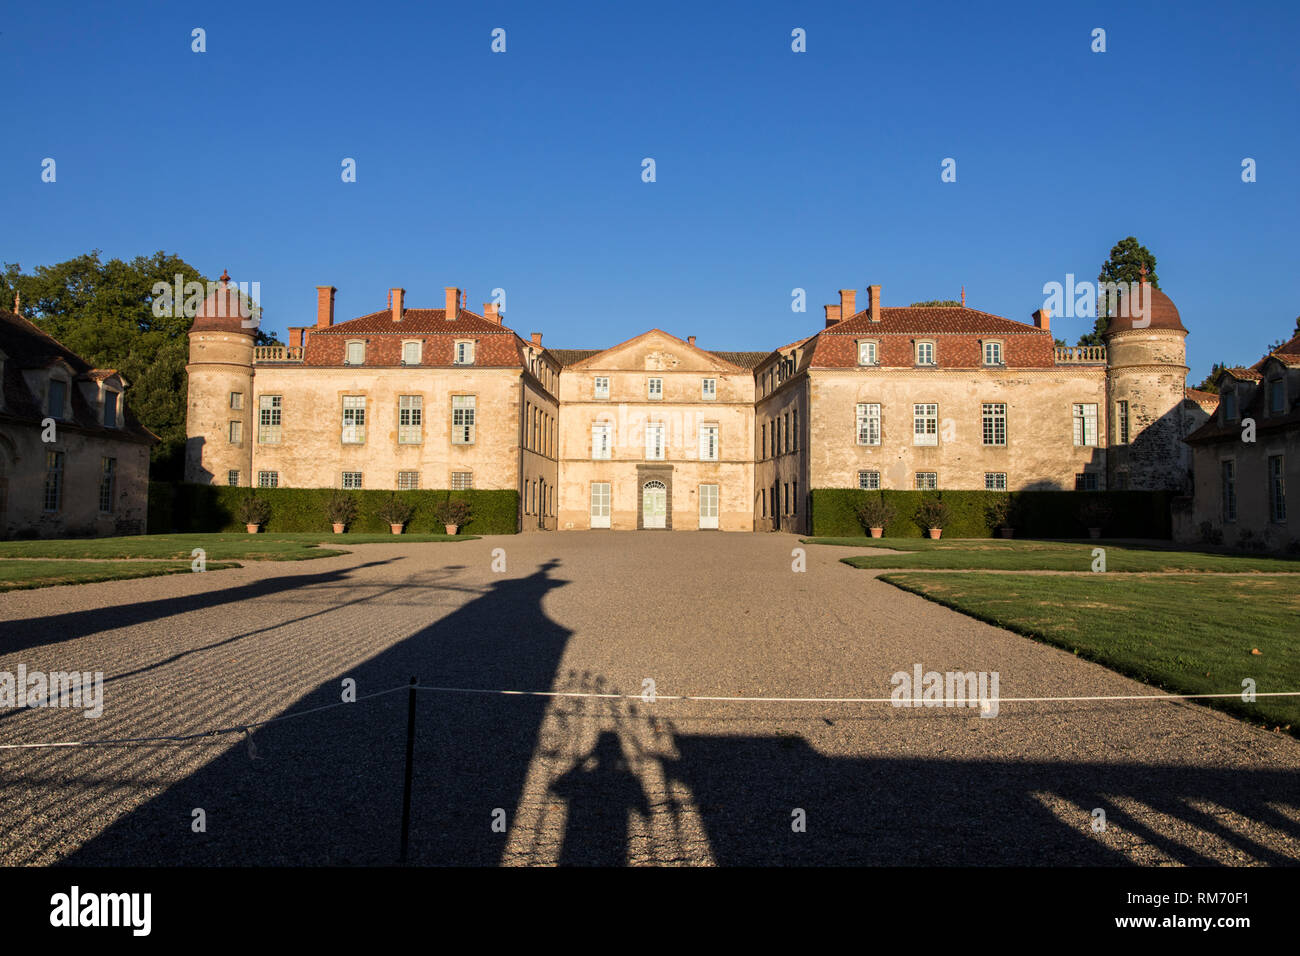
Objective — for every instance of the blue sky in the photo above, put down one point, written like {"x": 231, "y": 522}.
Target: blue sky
{"x": 775, "y": 169}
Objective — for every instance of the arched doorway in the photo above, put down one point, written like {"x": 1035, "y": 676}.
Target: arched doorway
{"x": 654, "y": 504}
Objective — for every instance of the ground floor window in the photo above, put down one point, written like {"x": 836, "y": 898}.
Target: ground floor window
{"x": 232, "y": 478}
{"x": 408, "y": 480}
{"x": 927, "y": 481}
{"x": 1277, "y": 488}
{"x": 107, "y": 484}
{"x": 268, "y": 479}
{"x": 53, "y": 498}
{"x": 763, "y": 493}
{"x": 995, "y": 481}
{"x": 351, "y": 479}
{"x": 1228, "y": 476}
{"x": 461, "y": 480}
{"x": 1085, "y": 481}
{"x": 869, "y": 480}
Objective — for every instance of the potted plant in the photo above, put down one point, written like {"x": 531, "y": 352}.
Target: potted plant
{"x": 998, "y": 512}
{"x": 452, "y": 514}
{"x": 932, "y": 515}
{"x": 396, "y": 512}
{"x": 874, "y": 514}
{"x": 1094, "y": 515}
{"x": 254, "y": 512}
{"x": 342, "y": 510}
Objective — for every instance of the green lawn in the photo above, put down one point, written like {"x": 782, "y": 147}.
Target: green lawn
{"x": 17, "y": 575}
{"x": 1189, "y": 634}
{"x": 251, "y": 547}
{"x": 996, "y": 554}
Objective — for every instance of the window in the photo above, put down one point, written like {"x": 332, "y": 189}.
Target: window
{"x": 924, "y": 353}
{"x": 995, "y": 481}
{"x": 236, "y": 400}
{"x": 869, "y": 480}
{"x": 992, "y": 353}
{"x": 602, "y": 386}
{"x": 1085, "y": 481}
{"x": 869, "y": 424}
{"x": 995, "y": 423}
{"x": 794, "y": 510}
{"x": 268, "y": 430}
{"x": 709, "y": 389}
{"x": 654, "y": 441}
{"x": 410, "y": 419}
{"x": 601, "y": 434}
{"x": 58, "y": 398}
{"x": 464, "y": 353}
{"x": 408, "y": 480}
{"x": 53, "y": 480}
{"x": 776, "y": 437}
{"x": 764, "y": 502}
{"x": 708, "y": 443}
{"x": 356, "y": 354}
{"x": 110, "y": 409}
{"x": 1276, "y": 396}
{"x": 351, "y": 479}
{"x": 1228, "y": 475}
{"x": 867, "y": 353}
{"x": 1230, "y": 404}
{"x": 107, "y": 484}
{"x": 268, "y": 479}
{"x": 1121, "y": 422}
{"x": 411, "y": 353}
{"x": 927, "y": 481}
{"x": 232, "y": 478}
{"x": 236, "y": 433}
{"x": 925, "y": 424}
{"x": 462, "y": 419}
{"x": 462, "y": 480}
{"x": 354, "y": 419}
{"x": 786, "y": 492}
{"x": 1276, "y": 488}
{"x": 764, "y": 432}
{"x": 1085, "y": 425}
{"x": 786, "y": 429}
{"x": 794, "y": 429}
{"x": 655, "y": 390}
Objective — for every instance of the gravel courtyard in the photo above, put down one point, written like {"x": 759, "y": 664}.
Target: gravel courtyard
{"x": 508, "y": 779}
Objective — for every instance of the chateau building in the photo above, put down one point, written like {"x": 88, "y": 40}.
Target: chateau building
{"x": 73, "y": 459}
{"x": 657, "y": 432}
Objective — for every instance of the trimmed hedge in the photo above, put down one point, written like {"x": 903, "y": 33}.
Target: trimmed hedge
{"x": 1034, "y": 514}
{"x": 209, "y": 508}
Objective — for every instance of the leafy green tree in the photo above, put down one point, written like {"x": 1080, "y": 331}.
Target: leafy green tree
{"x": 103, "y": 311}
{"x": 1208, "y": 385}
{"x": 1124, "y": 265}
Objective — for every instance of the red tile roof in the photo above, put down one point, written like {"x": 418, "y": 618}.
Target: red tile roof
{"x": 1164, "y": 315}
{"x": 496, "y": 345}
{"x": 415, "y": 322}
{"x": 931, "y": 320}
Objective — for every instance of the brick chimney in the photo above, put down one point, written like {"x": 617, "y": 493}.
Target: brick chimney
{"x": 324, "y": 306}
{"x": 453, "y": 302}
{"x": 295, "y": 338}
{"x": 848, "y": 303}
{"x": 395, "y": 297}
{"x": 490, "y": 312}
{"x": 1043, "y": 319}
{"x": 690, "y": 340}
{"x": 537, "y": 339}
{"x": 832, "y": 314}
{"x": 873, "y": 295}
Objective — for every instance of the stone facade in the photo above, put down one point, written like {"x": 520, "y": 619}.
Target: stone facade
{"x": 73, "y": 459}
{"x": 656, "y": 432}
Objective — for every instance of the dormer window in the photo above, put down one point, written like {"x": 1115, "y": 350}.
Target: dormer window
{"x": 992, "y": 353}
{"x": 1276, "y": 396}
{"x": 709, "y": 389}
{"x": 924, "y": 353}
{"x": 58, "y": 399}
{"x": 110, "y": 408}
{"x": 356, "y": 354}
{"x": 868, "y": 353}
{"x": 1230, "y": 404}
{"x": 410, "y": 353}
{"x": 655, "y": 389}
{"x": 601, "y": 386}
{"x": 464, "y": 353}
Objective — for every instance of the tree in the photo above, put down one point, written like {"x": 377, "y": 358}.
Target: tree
{"x": 1124, "y": 265}
{"x": 103, "y": 311}
{"x": 1208, "y": 385}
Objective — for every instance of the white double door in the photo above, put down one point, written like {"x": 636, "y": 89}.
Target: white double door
{"x": 600, "y": 504}
{"x": 708, "y": 506}
{"x": 654, "y": 505}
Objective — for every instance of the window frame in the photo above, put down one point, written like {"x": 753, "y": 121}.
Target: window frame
{"x": 865, "y": 481}
{"x": 653, "y": 393}
{"x": 418, "y": 345}
{"x": 990, "y": 422}
{"x": 1079, "y": 424}
{"x": 268, "y": 479}
{"x": 270, "y": 406}
{"x": 405, "y": 484}
{"x": 345, "y": 477}
{"x": 463, "y": 352}
{"x": 596, "y": 391}
{"x": 52, "y": 488}
{"x": 991, "y": 481}
{"x": 709, "y": 389}
{"x": 1228, "y": 490}
{"x": 602, "y": 450}
{"x": 867, "y": 418}
{"x": 920, "y": 482}
{"x": 358, "y": 420}
{"x": 928, "y": 437}
{"x": 874, "y": 347}
{"x": 710, "y": 441}
{"x": 348, "y": 346}
{"x": 1000, "y": 361}
{"x": 934, "y": 353}
{"x": 1276, "y": 488}
{"x": 411, "y": 407}
{"x": 657, "y": 429}
{"x": 467, "y": 410}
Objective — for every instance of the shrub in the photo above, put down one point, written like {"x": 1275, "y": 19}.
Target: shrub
{"x": 932, "y": 513}
{"x": 254, "y": 510}
{"x": 875, "y": 513}
{"x": 395, "y": 510}
{"x": 341, "y": 508}
{"x": 998, "y": 511}
{"x": 1210, "y": 534}
{"x": 452, "y": 511}
{"x": 1095, "y": 513}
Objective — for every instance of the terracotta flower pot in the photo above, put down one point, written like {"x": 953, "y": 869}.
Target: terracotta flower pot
{"x": 396, "y": 528}
{"x": 338, "y": 527}
{"x": 1094, "y": 532}
{"x": 877, "y": 532}
{"x": 936, "y": 532}
{"x": 451, "y": 528}
{"x": 1008, "y": 532}
{"x": 252, "y": 528}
